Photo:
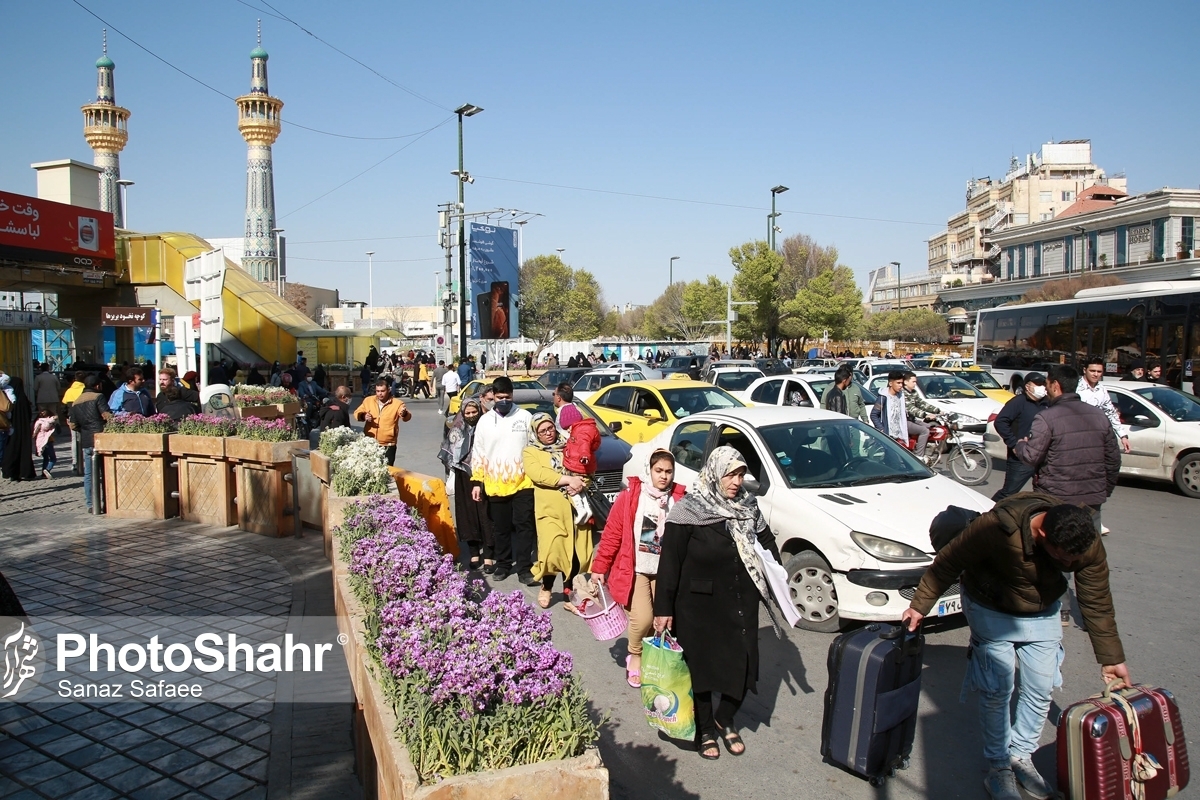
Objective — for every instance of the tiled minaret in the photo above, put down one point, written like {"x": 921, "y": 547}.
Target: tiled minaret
{"x": 259, "y": 123}
{"x": 105, "y": 128}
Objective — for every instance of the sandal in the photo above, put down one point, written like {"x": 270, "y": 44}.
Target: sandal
{"x": 489, "y": 567}
{"x": 544, "y": 598}
{"x": 708, "y": 748}
{"x": 475, "y": 564}
{"x": 632, "y": 676}
{"x": 567, "y": 604}
{"x": 732, "y": 739}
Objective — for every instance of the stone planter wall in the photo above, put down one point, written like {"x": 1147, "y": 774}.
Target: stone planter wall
{"x": 275, "y": 411}
{"x": 207, "y": 486}
{"x": 385, "y": 766}
{"x": 139, "y": 481}
{"x": 264, "y": 494}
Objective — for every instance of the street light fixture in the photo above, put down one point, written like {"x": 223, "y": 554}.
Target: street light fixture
{"x": 371, "y": 286}
{"x": 671, "y": 269}
{"x": 777, "y": 190}
{"x": 465, "y": 110}
{"x": 124, "y": 183}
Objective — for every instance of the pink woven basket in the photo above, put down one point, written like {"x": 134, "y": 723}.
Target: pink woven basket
{"x": 608, "y": 622}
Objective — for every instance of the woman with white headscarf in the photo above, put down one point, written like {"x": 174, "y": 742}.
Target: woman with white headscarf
{"x": 710, "y": 584}
{"x": 627, "y": 557}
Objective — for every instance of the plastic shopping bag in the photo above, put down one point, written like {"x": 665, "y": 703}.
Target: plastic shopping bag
{"x": 667, "y": 688}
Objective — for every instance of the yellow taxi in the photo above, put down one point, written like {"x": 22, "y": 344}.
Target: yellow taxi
{"x": 639, "y": 411}
{"x": 477, "y": 385}
{"x": 982, "y": 380}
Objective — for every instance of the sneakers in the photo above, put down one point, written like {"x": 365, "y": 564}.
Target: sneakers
{"x": 1001, "y": 785}
{"x": 46, "y": 474}
{"x": 1030, "y": 779}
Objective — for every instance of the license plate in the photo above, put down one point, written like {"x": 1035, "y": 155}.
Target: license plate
{"x": 611, "y": 496}
{"x": 949, "y": 605}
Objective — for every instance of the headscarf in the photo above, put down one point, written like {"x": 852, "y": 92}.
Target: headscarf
{"x": 706, "y": 504}
{"x": 456, "y": 449}
{"x": 18, "y": 453}
{"x": 654, "y": 502}
{"x": 560, "y": 438}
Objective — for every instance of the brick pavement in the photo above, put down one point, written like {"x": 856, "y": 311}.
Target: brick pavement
{"x": 62, "y": 561}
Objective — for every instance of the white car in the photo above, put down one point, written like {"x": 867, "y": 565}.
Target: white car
{"x": 734, "y": 380}
{"x": 648, "y": 372}
{"x": 951, "y": 394}
{"x": 801, "y": 389}
{"x": 849, "y": 507}
{"x": 1164, "y": 434}
{"x": 591, "y": 382}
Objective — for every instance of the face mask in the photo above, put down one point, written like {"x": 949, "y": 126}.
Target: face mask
{"x": 309, "y": 378}
{"x": 488, "y": 405}
{"x": 1039, "y": 392}
{"x": 503, "y": 407}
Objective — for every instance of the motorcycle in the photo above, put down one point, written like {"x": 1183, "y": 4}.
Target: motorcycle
{"x": 969, "y": 463}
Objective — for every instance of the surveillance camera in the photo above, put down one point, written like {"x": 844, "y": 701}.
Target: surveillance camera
{"x": 470, "y": 178}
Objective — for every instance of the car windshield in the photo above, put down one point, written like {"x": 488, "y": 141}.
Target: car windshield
{"x": 693, "y": 400}
{"x": 839, "y": 453}
{"x": 946, "y": 386}
{"x": 737, "y": 381}
{"x": 1177, "y": 405}
{"x": 677, "y": 362}
{"x": 596, "y": 381}
{"x": 980, "y": 380}
{"x": 820, "y": 386}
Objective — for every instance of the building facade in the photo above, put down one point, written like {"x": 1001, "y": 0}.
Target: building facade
{"x": 887, "y": 292}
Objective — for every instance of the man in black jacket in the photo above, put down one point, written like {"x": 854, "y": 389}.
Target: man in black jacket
{"x": 1013, "y": 424}
{"x": 88, "y": 414}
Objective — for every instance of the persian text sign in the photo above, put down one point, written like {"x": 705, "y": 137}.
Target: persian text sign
{"x": 117, "y": 317}
{"x": 32, "y": 229}
{"x": 494, "y": 290}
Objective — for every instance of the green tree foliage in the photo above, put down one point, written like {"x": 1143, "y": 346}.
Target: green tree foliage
{"x": 829, "y": 302}
{"x": 910, "y": 325}
{"x": 680, "y": 311}
{"x": 624, "y": 323}
{"x": 803, "y": 260}
{"x": 558, "y": 302}
{"x": 1065, "y": 288}
{"x": 757, "y": 269}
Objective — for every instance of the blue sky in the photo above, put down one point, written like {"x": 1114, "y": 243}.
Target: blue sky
{"x": 871, "y": 110}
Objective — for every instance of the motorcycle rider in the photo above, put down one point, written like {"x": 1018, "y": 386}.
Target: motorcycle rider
{"x": 919, "y": 413}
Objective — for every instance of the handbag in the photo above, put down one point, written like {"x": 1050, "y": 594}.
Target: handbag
{"x": 601, "y": 505}
{"x": 667, "y": 687}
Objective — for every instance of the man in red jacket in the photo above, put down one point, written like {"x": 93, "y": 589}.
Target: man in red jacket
{"x": 627, "y": 557}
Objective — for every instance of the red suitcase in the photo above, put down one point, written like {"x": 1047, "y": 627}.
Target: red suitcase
{"x": 1123, "y": 745}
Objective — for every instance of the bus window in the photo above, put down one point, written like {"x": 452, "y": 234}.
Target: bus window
{"x": 1057, "y": 347}
{"x": 1006, "y": 331}
{"x": 1028, "y": 339}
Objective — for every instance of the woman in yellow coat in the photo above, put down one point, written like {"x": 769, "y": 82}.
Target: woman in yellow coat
{"x": 564, "y": 548}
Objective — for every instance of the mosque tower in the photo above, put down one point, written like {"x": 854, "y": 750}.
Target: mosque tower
{"x": 105, "y": 129}
{"x": 259, "y": 123}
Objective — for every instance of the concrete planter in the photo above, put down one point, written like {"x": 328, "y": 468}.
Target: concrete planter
{"x": 264, "y": 494}
{"x": 139, "y": 481}
{"x": 384, "y": 763}
{"x": 207, "y": 488}
{"x": 274, "y": 411}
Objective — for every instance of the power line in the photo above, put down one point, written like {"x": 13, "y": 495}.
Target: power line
{"x": 360, "y": 261}
{"x": 212, "y": 88}
{"x": 704, "y": 202}
{"x": 365, "y": 239}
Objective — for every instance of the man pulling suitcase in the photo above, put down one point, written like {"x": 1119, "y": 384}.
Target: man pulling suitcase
{"x": 1012, "y": 560}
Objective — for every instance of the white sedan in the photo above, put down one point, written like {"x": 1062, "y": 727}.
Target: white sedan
{"x": 801, "y": 389}
{"x": 849, "y": 507}
{"x": 1164, "y": 434}
{"x": 951, "y": 394}
{"x": 734, "y": 380}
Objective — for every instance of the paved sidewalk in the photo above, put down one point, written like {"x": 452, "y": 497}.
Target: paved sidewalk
{"x": 62, "y": 561}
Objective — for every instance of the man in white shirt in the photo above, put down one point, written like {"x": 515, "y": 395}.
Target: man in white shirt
{"x": 1092, "y": 392}
{"x": 451, "y": 384}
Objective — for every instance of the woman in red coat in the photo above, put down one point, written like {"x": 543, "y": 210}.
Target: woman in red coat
{"x": 627, "y": 558}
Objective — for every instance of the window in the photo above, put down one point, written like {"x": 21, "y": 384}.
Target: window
{"x": 687, "y": 444}
{"x": 1045, "y": 197}
{"x": 739, "y": 441}
{"x": 1133, "y": 412}
{"x": 645, "y": 400}
{"x": 1068, "y": 196}
{"x": 766, "y": 393}
{"x": 617, "y": 399}
{"x": 794, "y": 395}
{"x": 839, "y": 453}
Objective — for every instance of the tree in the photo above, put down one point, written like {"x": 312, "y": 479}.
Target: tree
{"x": 1065, "y": 288}
{"x": 911, "y": 324}
{"x": 803, "y": 260}
{"x": 680, "y": 312}
{"x": 624, "y": 323}
{"x": 558, "y": 302}
{"x": 756, "y": 278}
{"x": 830, "y": 302}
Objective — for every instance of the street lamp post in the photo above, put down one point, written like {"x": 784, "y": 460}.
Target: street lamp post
{"x": 124, "y": 184}
{"x": 278, "y": 260}
{"x": 777, "y": 190}
{"x": 371, "y": 286}
{"x": 896, "y": 264}
{"x": 465, "y": 110}
{"x": 671, "y": 271}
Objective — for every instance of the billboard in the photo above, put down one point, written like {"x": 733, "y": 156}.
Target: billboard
{"x": 40, "y": 230}
{"x": 494, "y": 290}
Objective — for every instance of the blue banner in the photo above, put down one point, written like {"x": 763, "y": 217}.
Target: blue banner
{"x": 494, "y": 287}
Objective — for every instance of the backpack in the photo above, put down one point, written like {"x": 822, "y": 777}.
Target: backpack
{"x": 948, "y": 524}
{"x": 5, "y": 407}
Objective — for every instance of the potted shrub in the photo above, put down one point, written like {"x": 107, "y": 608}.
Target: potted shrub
{"x": 265, "y": 402}
{"x": 262, "y": 453}
{"x": 207, "y": 489}
{"x": 139, "y": 483}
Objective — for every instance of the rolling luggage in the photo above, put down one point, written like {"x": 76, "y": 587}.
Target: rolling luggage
{"x": 1122, "y": 745}
{"x": 871, "y": 703}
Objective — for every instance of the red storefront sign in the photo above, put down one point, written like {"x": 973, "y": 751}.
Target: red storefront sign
{"x": 40, "y": 230}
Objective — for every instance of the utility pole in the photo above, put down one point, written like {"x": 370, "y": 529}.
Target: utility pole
{"x": 671, "y": 271}
{"x": 445, "y": 222}
{"x": 730, "y": 317}
{"x": 896, "y": 264}
{"x": 777, "y": 190}
{"x": 465, "y": 110}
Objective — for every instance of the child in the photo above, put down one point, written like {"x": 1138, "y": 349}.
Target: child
{"x": 583, "y": 439}
{"x": 43, "y": 440}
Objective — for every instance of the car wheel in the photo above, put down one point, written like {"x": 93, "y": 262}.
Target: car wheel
{"x": 810, "y": 581}
{"x": 1187, "y": 475}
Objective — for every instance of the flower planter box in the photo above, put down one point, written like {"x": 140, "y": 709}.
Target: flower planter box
{"x": 320, "y": 466}
{"x": 139, "y": 481}
{"x": 275, "y": 411}
{"x": 335, "y": 512}
{"x": 384, "y": 763}
{"x": 207, "y": 486}
{"x": 263, "y": 492}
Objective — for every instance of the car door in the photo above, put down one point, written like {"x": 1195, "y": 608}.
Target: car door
{"x": 1147, "y": 435}
{"x": 745, "y": 440}
{"x": 766, "y": 393}
{"x": 646, "y": 401}
{"x": 689, "y": 445}
{"x": 612, "y": 405}
{"x": 799, "y": 393}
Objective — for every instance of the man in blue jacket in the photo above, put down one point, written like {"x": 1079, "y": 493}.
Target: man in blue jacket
{"x": 132, "y": 397}
{"x": 1013, "y": 424}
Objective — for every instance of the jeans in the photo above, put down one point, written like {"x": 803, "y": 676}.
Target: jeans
{"x": 3, "y": 442}
{"x": 512, "y": 518}
{"x": 999, "y": 642}
{"x": 86, "y": 455}
{"x": 1016, "y": 474}
{"x": 921, "y": 431}
{"x": 49, "y": 457}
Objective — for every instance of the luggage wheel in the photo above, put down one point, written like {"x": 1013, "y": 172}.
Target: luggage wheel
{"x": 878, "y": 780}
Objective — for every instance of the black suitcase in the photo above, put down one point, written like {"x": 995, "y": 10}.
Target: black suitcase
{"x": 871, "y": 703}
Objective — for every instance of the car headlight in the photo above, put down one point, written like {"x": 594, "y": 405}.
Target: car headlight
{"x": 887, "y": 549}
{"x": 967, "y": 419}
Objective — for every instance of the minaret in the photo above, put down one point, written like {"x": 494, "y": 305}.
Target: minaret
{"x": 258, "y": 122}
{"x": 105, "y": 128}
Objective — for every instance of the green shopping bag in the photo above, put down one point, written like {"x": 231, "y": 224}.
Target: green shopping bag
{"x": 667, "y": 688}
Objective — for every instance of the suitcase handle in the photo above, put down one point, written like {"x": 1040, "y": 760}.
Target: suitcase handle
{"x": 911, "y": 640}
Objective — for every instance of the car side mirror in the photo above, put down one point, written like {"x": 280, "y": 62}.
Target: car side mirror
{"x": 615, "y": 427}
{"x": 753, "y": 486}
{"x": 653, "y": 414}
{"x": 1143, "y": 421}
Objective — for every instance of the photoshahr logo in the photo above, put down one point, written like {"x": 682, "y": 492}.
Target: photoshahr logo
{"x": 21, "y": 648}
